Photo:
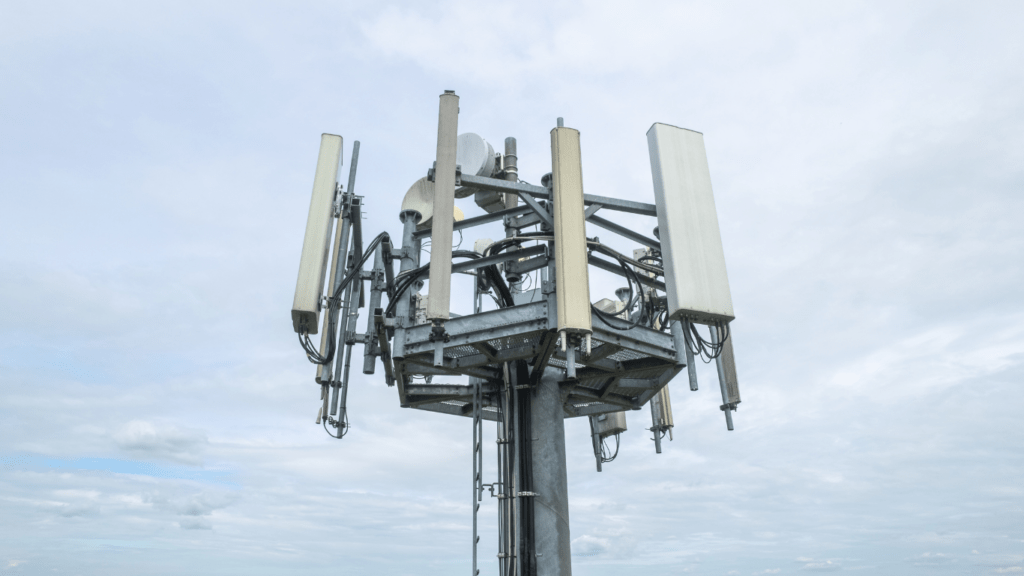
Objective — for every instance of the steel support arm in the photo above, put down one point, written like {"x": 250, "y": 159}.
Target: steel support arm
{"x": 522, "y": 189}
{"x": 475, "y": 263}
{"x": 614, "y": 268}
{"x": 482, "y": 219}
{"x": 626, "y": 232}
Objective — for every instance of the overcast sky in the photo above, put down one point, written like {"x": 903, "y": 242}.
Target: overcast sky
{"x": 156, "y": 160}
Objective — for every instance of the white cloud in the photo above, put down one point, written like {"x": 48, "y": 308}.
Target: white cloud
{"x": 824, "y": 566}
{"x": 195, "y": 524}
{"x": 866, "y": 168}
{"x": 588, "y": 546}
{"x": 148, "y": 440}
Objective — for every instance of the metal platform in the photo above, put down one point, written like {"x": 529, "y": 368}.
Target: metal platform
{"x": 623, "y": 370}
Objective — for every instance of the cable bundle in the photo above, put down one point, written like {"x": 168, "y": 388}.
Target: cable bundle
{"x": 606, "y": 454}
{"x": 334, "y": 305}
{"x": 707, "y": 351}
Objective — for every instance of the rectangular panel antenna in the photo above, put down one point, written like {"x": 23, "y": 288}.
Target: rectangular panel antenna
{"x": 695, "y": 276}
{"x": 727, "y": 361}
{"x": 440, "y": 287}
{"x": 309, "y": 288}
{"x": 661, "y": 409}
{"x": 572, "y": 282}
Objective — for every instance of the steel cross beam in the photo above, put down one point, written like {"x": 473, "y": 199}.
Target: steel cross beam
{"x": 478, "y": 220}
{"x": 522, "y": 189}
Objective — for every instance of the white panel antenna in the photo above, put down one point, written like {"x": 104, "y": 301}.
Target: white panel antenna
{"x": 309, "y": 288}
{"x": 439, "y": 295}
{"x": 572, "y": 283}
{"x": 726, "y": 362}
{"x": 695, "y": 276}
{"x": 661, "y": 417}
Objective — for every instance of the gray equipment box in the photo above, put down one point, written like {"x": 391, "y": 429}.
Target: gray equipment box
{"x": 610, "y": 424}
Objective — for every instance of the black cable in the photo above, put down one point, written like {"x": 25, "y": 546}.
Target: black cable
{"x": 604, "y": 450}
{"x": 499, "y": 283}
{"x": 646, "y": 312}
{"x": 342, "y": 426}
{"x": 707, "y": 351}
{"x": 631, "y": 277}
{"x": 334, "y": 305}
{"x": 409, "y": 277}
{"x": 524, "y": 409}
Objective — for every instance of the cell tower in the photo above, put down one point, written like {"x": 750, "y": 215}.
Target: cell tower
{"x": 544, "y": 352}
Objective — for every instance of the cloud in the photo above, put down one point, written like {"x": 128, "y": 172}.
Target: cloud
{"x": 196, "y": 504}
{"x": 821, "y": 566}
{"x": 195, "y": 524}
{"x": 72, "y": 510}
{"x": 932, "y": 559}
{"x": 588, "y": 546}
{"x": 161, "y": 442}
{"x": 866, "y": 170}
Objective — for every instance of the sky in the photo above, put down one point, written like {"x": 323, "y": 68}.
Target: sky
{"x": 157, "y": 415}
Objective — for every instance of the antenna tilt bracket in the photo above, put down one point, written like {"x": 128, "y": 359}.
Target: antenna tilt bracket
{"x": 438, "y": 334}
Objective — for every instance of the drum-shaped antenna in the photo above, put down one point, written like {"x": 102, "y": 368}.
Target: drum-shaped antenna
{"x": 476, "y": 157}
{"x": 420, "y": 198}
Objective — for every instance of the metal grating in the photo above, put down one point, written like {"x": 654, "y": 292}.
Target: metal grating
{"x": 460, "y": 351}
{"x": 604, "y": 375}
{"x": 627, "y": 354}
{"x": 515, "y": 341}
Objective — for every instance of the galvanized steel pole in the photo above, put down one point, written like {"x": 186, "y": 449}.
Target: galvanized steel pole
{"x": 410, "y": 259}
{"x": 726, "y": 407}
{"x": 550, "y": 484}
